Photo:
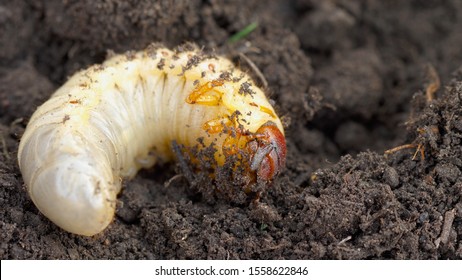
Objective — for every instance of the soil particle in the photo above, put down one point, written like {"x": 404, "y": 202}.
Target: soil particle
{"x": 349, "y": 79}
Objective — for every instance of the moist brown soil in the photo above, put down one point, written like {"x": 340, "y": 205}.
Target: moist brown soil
{"x": 347, "y": 77}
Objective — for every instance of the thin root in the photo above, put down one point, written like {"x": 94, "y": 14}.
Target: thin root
{"x": 171, "y": 180}
{"x": 434, "y": 84}
{"x": 255, "y": 69}
{"x": 432, "y": 87}
{"x": 344, "y": 240}
{"x": 419, "y": 148}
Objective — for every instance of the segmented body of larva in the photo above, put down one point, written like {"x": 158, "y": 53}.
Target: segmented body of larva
{"x": 109, "y": 120}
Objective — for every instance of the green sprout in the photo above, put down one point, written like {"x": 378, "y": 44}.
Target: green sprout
{"x": 243, "y": 33}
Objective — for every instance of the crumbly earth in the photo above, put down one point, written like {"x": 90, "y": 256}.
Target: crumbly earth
{"x": 349, "y": 79}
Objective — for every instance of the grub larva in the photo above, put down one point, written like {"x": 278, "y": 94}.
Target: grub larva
{"x": 110, "y": 120}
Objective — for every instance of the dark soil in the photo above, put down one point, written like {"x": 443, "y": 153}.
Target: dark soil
{"x": 349, "y": 79}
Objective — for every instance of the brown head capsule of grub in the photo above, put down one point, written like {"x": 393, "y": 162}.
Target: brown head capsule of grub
{"x": 268, "y": 151}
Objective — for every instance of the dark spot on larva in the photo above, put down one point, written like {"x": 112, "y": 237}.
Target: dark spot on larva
{"x": 196, "y": 83}
{"x": 161, "y": 64}
{"x": 130, "y": 55}
{"x": 226, "y": 76}
{"x": 253, "y": 104}
{"x": 66, "y": 118}
{"x": 187, "y": 47}
{"x": 175, "y": 57}
{"x": 83, "y": 85}
{"x": 98, "y": 188}
{"x": 193, "y": 61}
{"x": 237, "y": 79}
{"x": 171, "y": 66}
{"x": 200, "y": 140}
{"x": 245, "y": 89}
{"x": 203, "y": 74}
{"x": 74, "y": 101}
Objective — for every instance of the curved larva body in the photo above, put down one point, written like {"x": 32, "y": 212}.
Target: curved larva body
{"x": 108, "y": 121}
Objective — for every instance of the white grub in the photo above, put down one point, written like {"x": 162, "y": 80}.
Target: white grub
{"x": 105, "y": 122}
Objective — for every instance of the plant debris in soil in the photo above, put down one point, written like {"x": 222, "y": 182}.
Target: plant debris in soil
{"x": 349, "y": 79}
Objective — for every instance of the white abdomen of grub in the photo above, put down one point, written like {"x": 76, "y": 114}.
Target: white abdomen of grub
{"x": 97, "y": 128}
